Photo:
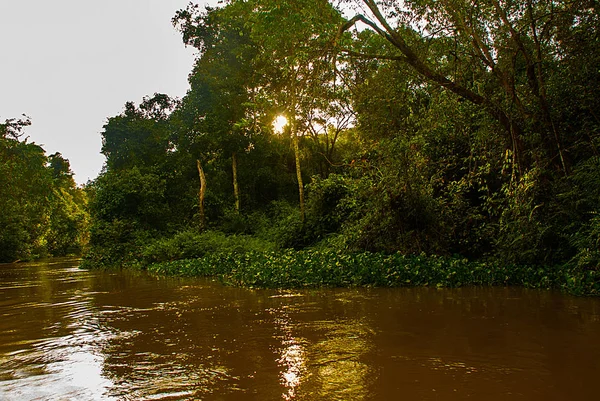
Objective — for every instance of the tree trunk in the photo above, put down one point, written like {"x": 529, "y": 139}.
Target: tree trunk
{"x": 294, "y": 133}
{"x": 298, "y": 169}
{"x": 201, "y": 194}
{"x": 236, "y": 188}
{"x": 514, "y": 134}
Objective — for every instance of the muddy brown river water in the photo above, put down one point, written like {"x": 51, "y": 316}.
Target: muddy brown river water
{"x": 71, "y": 334}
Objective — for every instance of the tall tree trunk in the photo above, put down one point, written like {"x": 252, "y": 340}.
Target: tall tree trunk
{"x": 298, "y": 169}
{"x": 201, "y": 194}
{"x": 294, "y": 133}
{"x": 236, "y": 188}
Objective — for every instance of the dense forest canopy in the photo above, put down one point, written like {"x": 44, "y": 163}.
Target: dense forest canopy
{"x": 43, "y": 213}
{"x": 443, "y": 127}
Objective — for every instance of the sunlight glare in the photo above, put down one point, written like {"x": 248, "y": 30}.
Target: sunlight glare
{"x": 279, "y": 123}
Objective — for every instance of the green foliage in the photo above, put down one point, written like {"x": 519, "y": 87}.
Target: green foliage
{"x": 69, "y": 223}
{"x": 115, "y": 243}
{"x": 128, "y": 209}
{"x": 468, "y": 129}
{"x": 284, "y": 226}
{"x": 299, "y": 269}
{"x": 326, "y": 209}
{"x": 43, "y": 212}
{"x": 193, "y": 244}
{"x": 583, "y": 226}
{"x": 139, "y": 137}
{"x": 25, "y": 184}
{"x": 587, "y": 243}
{"x": 130, "y": 195}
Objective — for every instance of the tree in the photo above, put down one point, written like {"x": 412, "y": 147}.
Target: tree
{"x": 140, "y": 135}
{"x": 68, "y": 216}
{"x": 221, "y": 85}
{"x": 497, "y": 55}
{"x": 41, "y": 206}
{"x": 294, "y": 38}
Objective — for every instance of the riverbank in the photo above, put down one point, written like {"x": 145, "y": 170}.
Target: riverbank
{"x": 311, "y": 268}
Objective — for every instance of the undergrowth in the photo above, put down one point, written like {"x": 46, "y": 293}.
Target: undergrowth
{"x": 298, "y": 269}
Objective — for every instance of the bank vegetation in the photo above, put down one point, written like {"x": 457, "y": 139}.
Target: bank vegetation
{"x": 418, "y": 135}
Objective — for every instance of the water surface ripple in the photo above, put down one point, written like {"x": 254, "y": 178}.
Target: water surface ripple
{"x": 70, "y": 334}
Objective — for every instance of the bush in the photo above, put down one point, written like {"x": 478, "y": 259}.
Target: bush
{"x": 193, "y": 244}
{"x": 115, "y": 243}
{"x": 585, "y": 226}
{"x": 282, "y": 225}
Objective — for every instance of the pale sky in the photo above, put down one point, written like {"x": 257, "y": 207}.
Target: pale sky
{"x": 71, "y": 64}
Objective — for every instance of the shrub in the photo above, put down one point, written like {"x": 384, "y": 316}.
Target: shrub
{"x": 193, "y": 244}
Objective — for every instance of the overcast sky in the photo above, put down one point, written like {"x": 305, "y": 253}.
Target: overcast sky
{"x": 71, "y": 64}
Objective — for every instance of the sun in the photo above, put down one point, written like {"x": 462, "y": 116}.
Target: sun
{"x": 279, "y": 123}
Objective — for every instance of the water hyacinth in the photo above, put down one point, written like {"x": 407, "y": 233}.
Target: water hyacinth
{"x": 311, "y": 268}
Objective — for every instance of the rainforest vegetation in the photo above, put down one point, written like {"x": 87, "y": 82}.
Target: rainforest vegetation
{"x": 42, "y": 211}
{"x": 441, "y": 142}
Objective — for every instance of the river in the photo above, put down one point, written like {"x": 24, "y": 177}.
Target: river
{"x": 71, "y": 334}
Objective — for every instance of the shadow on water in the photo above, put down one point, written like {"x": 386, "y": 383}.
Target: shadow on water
{"x": 67, "y": 333}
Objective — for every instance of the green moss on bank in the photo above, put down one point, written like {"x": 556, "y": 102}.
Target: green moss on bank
{"x": 298, "y": 269}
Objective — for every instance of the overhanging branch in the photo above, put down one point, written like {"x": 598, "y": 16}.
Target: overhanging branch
{"x": 372, "y": 56}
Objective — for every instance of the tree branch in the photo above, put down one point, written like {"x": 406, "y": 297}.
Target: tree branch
{"x": 373, "y": 56}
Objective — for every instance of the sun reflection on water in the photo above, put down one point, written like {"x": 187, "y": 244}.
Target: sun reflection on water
{"x": 325, "y": 358}
{"x": 292, "y": 362}
{"x": 68, "y": 361}
{"x": 292, "y": 356}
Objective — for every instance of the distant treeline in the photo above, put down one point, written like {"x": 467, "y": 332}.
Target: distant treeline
{"x": 42, "y": 212}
